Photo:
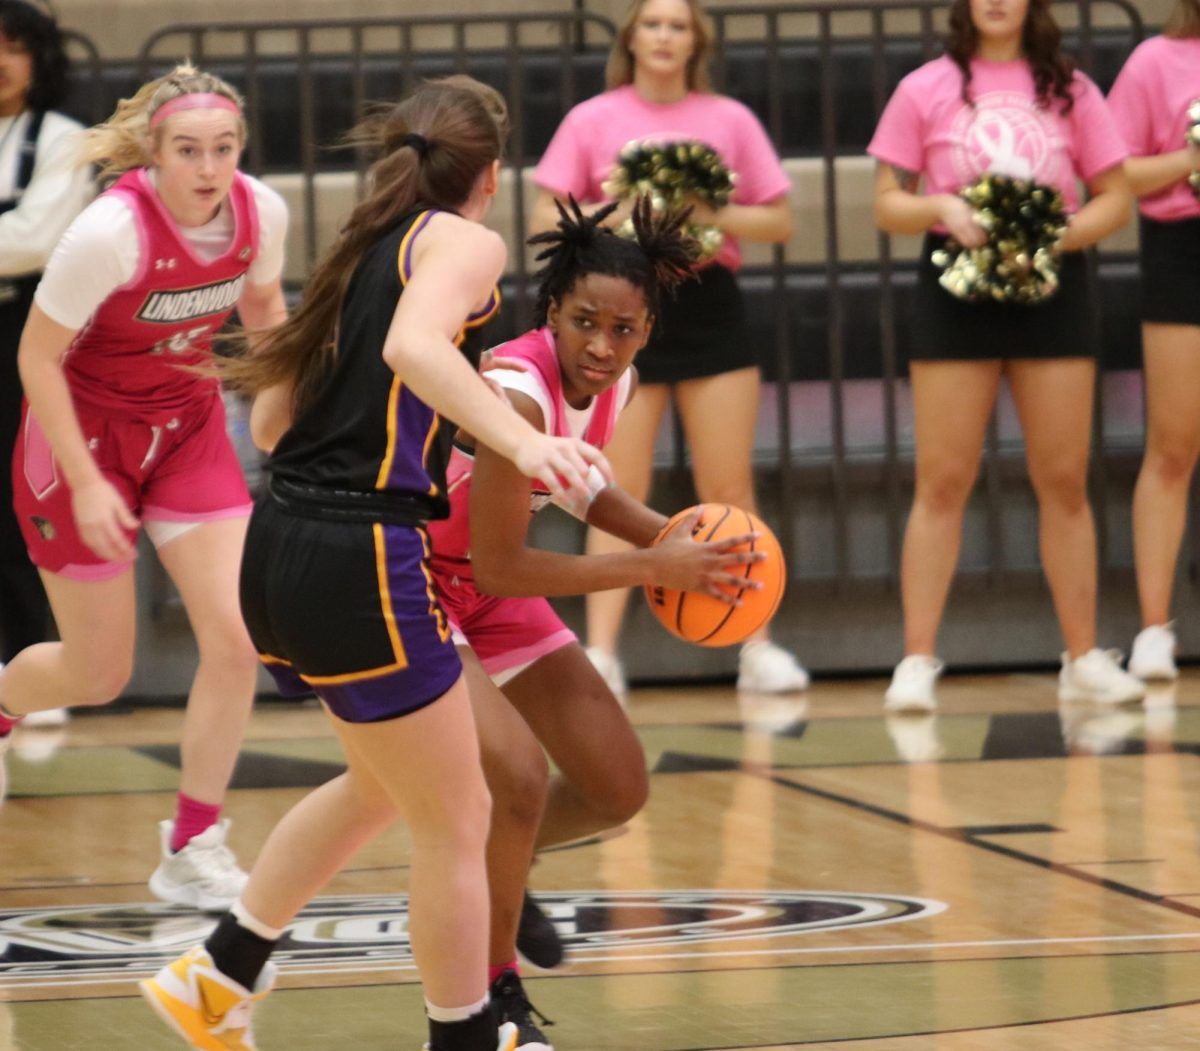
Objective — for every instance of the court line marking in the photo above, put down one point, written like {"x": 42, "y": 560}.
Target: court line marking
{"x": 123, "y": 975}
{"x": 957, "y": 836}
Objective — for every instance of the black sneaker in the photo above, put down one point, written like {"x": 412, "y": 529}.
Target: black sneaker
{"x": 510, "y": 1004}
{"x": 537, "y": 937}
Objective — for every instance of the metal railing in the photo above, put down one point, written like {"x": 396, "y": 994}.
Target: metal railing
{"x": 404, "y": 49}
{"x": 853, "y": 51}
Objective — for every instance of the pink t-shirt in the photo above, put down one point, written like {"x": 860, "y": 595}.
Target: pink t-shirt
{"x": 928, "y": 129}
{"x": 1149, "y": 102}
{"x": 584, "y": 150}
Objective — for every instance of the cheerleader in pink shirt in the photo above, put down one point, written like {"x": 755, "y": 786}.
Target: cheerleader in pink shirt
{"x": 701, "y": 357}
{"x": 1150, "y": 103}
{"x": 121, "y": 432}
{"x": 1002, "y": 99}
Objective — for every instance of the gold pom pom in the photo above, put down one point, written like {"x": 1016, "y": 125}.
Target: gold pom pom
{"x": 1019, "y": 263}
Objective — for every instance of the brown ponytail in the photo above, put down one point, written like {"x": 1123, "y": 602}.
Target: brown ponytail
{"x": 433, "y": 146}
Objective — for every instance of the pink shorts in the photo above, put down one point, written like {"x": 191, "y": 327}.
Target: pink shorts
{"x": 507, "y": 634}
{"x": 177, "y": 470}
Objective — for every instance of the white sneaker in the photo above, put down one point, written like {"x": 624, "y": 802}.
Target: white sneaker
{"x": 46, "y": 717}
{"x": 203, "y": 875}
{"x": 1153, "y": 655}
{"x": 611, "y": 670}
{"x": 764, "y": 667}
{"x": 911, "y": 689}
{"x": 1098, "y": 677}
{"x": 39, "y": 746}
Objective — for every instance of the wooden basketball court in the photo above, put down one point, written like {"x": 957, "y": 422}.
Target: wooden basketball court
{"x": 807, "y": 874}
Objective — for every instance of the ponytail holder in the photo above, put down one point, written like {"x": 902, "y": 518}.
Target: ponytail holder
{"x": 417, "y": 142}
{"x": 193, "y": 100}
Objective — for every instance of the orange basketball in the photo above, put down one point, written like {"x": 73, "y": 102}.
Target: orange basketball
{"x": 705, "y": 620}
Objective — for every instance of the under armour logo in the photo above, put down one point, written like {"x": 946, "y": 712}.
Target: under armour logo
{"x": 165, "y": 264}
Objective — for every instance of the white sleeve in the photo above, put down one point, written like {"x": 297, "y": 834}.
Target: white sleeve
{"x": 59, "y": 187}
{"x": 272, "y": 233}
{"x": 525, "y": 383}
{"x": 96, "y": 256}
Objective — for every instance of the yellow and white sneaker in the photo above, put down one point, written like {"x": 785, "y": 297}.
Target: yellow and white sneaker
{"x": 206, "y": 1008}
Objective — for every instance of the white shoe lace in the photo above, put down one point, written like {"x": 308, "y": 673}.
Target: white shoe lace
{"x": 215, "y": 867}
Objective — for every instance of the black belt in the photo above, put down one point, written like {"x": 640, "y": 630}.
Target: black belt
{"x": 347, "y": 505}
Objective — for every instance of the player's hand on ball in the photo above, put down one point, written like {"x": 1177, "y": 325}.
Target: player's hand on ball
{"x": 684, "y": 564}
{"x": 722, "y": 575}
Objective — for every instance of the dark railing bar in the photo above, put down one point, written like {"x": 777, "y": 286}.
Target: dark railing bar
{"x": 308, "y": 160}
{"x": 887, "y": 334}
{"x": 841, "y": 532}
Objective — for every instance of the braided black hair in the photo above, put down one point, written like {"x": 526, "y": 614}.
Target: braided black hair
{"x": 658, "y": 257}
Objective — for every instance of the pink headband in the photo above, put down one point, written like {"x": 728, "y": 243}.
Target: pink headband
{"x": 196, "y": 100}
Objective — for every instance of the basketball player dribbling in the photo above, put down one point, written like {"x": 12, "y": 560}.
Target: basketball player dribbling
{"x": 531, "y": 683}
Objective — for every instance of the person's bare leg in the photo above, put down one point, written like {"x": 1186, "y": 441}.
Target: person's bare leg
{"x": 722, "y": 457}
{"x": 602, "y": 781}
{"x": 1160, "y": 499}
{"x": 204, "y": 564}
{"x": 1054, "y": 401}
{"x": 631, "y": 454}
{"x": 93, "y": 660}
{"x": 426, "y": 766}
{"x": 952, "y": 401}
{"x": 517, "y": 773}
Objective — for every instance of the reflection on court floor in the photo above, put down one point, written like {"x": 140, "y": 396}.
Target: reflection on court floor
{"x": 1007, "y": 874}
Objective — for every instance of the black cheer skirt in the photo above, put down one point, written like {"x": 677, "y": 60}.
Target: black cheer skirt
{"x": 948, "y": 329}
{"x": 701, "y": 331}
{"x": 1171, "y": 271}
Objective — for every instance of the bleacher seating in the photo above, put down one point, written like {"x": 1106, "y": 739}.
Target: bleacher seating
{"x": 540, "y": 76}
{"x": 747, "y": 78}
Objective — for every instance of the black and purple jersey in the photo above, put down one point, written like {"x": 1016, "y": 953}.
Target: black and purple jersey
{"x": 367, "y": 448}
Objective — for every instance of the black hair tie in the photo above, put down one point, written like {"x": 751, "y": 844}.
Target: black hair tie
{"x": 418, "y": 142}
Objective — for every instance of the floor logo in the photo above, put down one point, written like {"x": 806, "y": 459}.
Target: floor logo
{"x": 106, "y": 943}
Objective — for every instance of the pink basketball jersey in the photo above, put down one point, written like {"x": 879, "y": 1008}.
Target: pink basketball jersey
{"x": 126, "y": 361}
{"x": 451, "y": 537}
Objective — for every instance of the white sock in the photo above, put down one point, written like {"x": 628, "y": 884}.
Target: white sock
{"x": 253, "y": 924}
{"x": 455, "y": 1014}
